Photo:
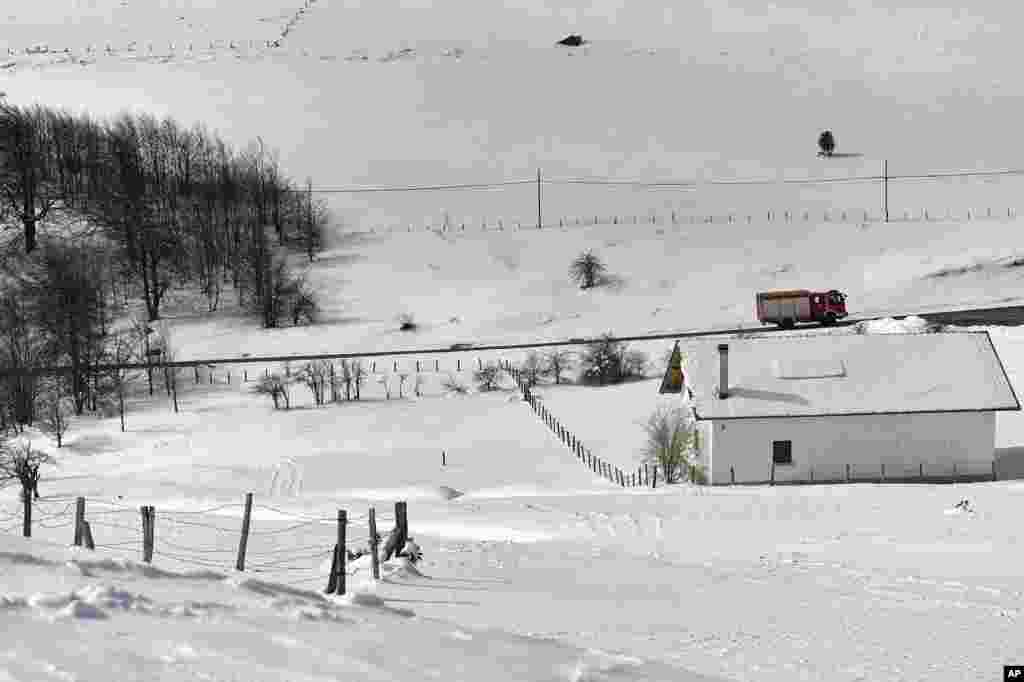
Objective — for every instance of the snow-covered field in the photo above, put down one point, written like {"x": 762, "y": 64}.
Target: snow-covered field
{"x": 533, "y": 568}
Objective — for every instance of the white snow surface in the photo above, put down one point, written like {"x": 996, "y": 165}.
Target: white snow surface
{"x": 538, "y": 570}
{"x": 850, "y": 374}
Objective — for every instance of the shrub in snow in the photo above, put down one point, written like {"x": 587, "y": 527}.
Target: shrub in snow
{"x": 488, "y": 377}
{"x": 453, "y": 385}
{"x": 56, "y": 410}
{"x": 406, "y": 322}
{"x": 671, "y": 437}
{"x": 276, "y": 387}
{"x": 827, "y": 142}
{"x": 606, "y": 361}
{"x": 587, "y": 269}
{"x": 315, "y": 375}
{"x": 556, "y": 363}
{"x": 532, "y": 369}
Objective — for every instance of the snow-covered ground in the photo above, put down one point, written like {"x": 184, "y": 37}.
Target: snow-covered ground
{"x": 533, "y": 568}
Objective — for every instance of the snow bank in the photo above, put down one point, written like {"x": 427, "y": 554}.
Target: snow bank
{"x": 912, "y": 324}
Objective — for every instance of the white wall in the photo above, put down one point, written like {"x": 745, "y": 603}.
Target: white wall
{"x": 826, "y": 444}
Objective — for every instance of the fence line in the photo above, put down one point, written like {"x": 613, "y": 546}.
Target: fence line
{"x": 169, "y": 544}
{"x": 575, "y": 445}
{"x": 852, "y": 216}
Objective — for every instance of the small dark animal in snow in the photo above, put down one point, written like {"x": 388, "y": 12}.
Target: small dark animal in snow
{"x": 572, "y": 40}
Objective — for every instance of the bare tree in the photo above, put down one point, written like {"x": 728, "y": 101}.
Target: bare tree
{"x": 315, "y": 375}
{"x": 347, "y": 377}
{"x": 383, "y": 381}
{"x": 276, "y": 387}
{"x": 359, "y": 376}
{"x": 533, "y": 368}
{"x": 586, "y": 269}
{"x": 557, "y": 363}
{"x": 21, "y": 464}
{"x": 56, "y": 409}
{"x": 453, "y": 385}
{"x": 25, "y": 189}
{"x": 169, "y": 352}
{"x": 488, "y": 377}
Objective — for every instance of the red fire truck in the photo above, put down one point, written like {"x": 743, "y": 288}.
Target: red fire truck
{"x": 786, "y": 308}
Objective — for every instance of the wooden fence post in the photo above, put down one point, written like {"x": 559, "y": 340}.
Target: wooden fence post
{"x": 883, "y": 472}
{"x": 994, "y": 477}
{"x": 402, "y": 522}
{"x": 847, "y": 472}
{"x": 920, "y": 469}
{"x": 374, "y": 555}
{"x": 244, "y": 540}
{"x": 654, "y": 480}
{"x": 87, "y": 536}
{"x": 79, "y": 519}
{"x": 647, "y": 474}
{"x": 773, "y": 471}
{"x": 732, "y": 475}
{"x": 148, "y": 533}
{"x": 342, "y": 521}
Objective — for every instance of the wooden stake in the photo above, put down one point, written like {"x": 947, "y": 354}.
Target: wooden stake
{"x": 79, "y": 520}
{"x": 402, "y": 521}
{"x": 374, "y": 555}
{"x": 342, "y": 521}
{"x": 148, "y": 532}
{"x": 244, "y": 540}
{"x": 87, "y": 536}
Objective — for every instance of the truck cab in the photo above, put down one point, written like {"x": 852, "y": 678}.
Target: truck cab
{"x": 786, "y": 308}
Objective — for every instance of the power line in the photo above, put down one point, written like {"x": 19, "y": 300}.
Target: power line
{"x": 664, "y": 184}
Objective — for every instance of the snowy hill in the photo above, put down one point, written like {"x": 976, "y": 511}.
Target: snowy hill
{"x": 534, "y": 568}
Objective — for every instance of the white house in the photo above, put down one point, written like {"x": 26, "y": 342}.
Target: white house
{"x": 839, "y": 407}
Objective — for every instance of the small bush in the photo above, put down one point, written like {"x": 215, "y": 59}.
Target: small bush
{"x": 488, "y": 377}
{"x": 406, "y": 323}
{"x": 610, "y": 362}
{"x": 827, "y": 142}
{"x": 556, "y": 363}
{"x": 453, "y": 385}
{"x": 533, "y": 369}
{"x": 587, "y": 269}
{"x": 670, "y": 438}
{"x": 276, "y": 387}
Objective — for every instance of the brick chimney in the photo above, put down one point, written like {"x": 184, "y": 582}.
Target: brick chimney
{"x": 723, "y": 370}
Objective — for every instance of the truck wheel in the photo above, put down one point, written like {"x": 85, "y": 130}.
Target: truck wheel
{"x": 787, "y": 323}
{"x": 830, "y": 319}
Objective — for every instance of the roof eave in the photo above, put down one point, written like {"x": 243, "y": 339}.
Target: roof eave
{"x": 876, "y": 413}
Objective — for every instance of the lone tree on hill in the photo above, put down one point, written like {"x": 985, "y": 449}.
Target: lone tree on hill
{"x": 586, "y": 269}
{"x": 827, "y": 142}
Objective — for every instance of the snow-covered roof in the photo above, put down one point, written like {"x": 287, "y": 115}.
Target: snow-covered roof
{"x": 849, "y": 374}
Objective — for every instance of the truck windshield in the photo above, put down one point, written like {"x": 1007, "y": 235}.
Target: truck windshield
{"x": 836, "y": 298}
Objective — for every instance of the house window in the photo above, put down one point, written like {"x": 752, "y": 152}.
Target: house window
{"x": 782, "y": 451}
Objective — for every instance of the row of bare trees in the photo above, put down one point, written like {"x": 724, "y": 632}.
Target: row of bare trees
{"x": 179, "y": 205}
{"x": 114, "y": 212}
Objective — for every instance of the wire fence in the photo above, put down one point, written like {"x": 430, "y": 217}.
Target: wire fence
{"x": 291, "y": 548}
{"x": 644, "y": 476}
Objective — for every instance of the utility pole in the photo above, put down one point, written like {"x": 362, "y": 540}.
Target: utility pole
{"x": 538, "y": 200}
{"x": 885, "y": 188}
